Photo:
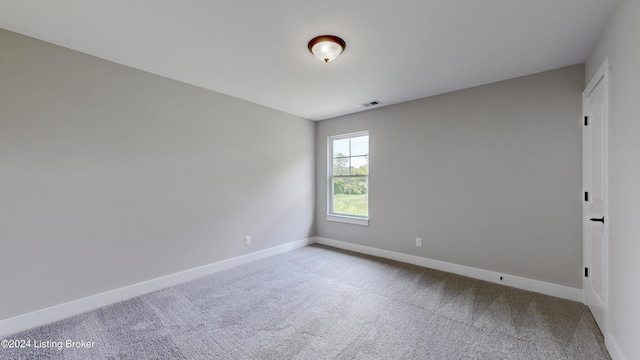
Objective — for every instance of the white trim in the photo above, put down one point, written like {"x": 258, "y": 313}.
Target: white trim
{"x": 58, "y": 312}
{"x": 349, "y": 135}
{"x": 613, "y": 348}
{"x": 481, "y": 274}
{"x": 348, "y": 219}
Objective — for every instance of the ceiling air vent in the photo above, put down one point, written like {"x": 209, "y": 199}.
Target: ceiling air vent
{"x": 372, "y": 103}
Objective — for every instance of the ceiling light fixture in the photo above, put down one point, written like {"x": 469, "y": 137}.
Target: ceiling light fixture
{"x": 326, "y": 47}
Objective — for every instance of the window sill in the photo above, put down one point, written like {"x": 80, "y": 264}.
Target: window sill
{"x": 348, "y": 219}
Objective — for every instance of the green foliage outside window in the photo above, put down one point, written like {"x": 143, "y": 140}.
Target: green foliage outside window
{"x": 350, "y": 184}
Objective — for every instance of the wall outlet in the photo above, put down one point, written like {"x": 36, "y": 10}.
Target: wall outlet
{"x": 247, "y": 240}
{"x": 418, "y": 241}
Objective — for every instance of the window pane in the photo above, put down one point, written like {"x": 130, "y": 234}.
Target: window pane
{"x": 341, "y": 166}
{"x": 349, "y": 170}
{"x": 340, "y": 147}
{"x": 360, "y": 145}
{"x": 350, "y": 196}
{"x": 360, "y": 165}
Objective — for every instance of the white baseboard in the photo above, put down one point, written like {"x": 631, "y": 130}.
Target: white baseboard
{"x": 481, "y": 274}
{"x": 613, "y": 348}
{"x": 58, "y": 312}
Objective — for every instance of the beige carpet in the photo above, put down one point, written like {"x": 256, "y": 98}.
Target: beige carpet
{"x": 322, "y": 303}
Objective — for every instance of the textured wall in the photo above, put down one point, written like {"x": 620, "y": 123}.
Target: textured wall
{"x": 110, "y": 176}
{"x": 488, "y": 177}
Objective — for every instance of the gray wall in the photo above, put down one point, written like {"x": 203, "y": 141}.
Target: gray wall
{"x": 488, "y": 177}
{"x": 620, "y": 43}
{"x": 110, "y": 176}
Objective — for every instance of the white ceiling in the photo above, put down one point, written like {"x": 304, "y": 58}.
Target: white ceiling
{"x": 257, "y": 50}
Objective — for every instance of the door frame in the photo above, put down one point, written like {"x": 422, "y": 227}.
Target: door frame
{"x": 602, "y": 75}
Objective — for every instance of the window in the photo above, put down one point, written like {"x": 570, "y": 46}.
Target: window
{"x": 348, "y": 185}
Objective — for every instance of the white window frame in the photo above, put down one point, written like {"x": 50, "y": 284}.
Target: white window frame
{"x": 331, "y": 216}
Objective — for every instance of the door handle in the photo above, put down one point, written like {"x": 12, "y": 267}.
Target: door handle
{"x": 598, "y": 220}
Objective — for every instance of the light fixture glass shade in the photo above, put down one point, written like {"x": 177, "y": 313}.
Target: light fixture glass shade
{"x": 326, "y": 47}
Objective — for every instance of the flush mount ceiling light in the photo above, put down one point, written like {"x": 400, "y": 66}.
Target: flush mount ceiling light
{"x": 326, "y": 47}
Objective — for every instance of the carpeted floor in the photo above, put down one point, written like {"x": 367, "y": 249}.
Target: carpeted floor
{"x": 321, "y": 303}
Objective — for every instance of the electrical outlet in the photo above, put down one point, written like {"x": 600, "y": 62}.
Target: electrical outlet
{"x": 247, "y": 240}
{"x": 418, "y": 241}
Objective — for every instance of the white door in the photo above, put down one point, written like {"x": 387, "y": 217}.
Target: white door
{"x": 595, "y": 210}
